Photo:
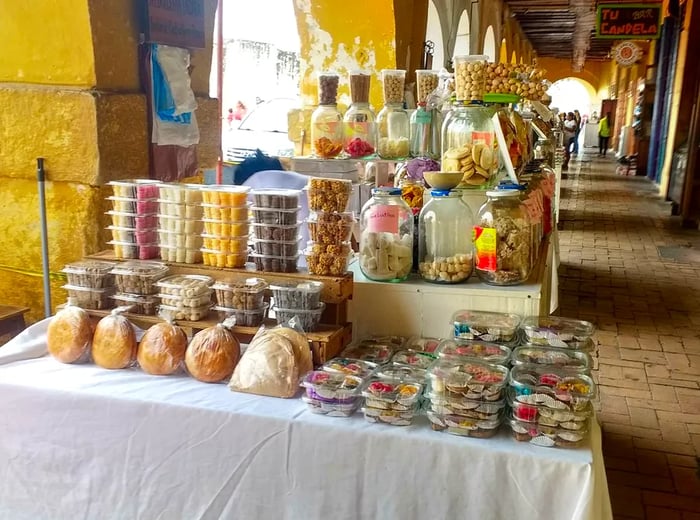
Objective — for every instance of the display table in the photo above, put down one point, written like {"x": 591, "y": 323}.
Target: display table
{"x": 416, "y": 307}
{"x": 78, "y": 441}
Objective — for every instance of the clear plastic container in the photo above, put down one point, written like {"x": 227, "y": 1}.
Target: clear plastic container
{"x": 368, "y": 352}
{"x": 413, "y": 358}
{"x": 463, "y": 426}
{"x": 186, "y": 313}
{"x": 87, "y": 298}
{"x": 426, "y": 83}
{"x": 392, "y": 342}
{"x": 328, "y": 87}
{"x": 220, "y": 228}
{"x": 471, "y": 408}
{"x": 541, "y": 414}
{"x": 445, "y": 249}
{"x": 181, "y": 240}
{"x": 552, "y": 356}
{"x": 276, "y": 247}
{"x": 280, "y": 217}
{"x": 129, "y": 251}
{"x": 297, "y": 294}
{"x": 225, "y": 195}
{"x": 215, "y": 258}
{"x": 275, "y": 264}
{"x": 403, "y": 372}
{"x": 132, "y": 220}
{"x": 392, "y": 394}
{"x": 180, "y": 225}
{"x": 556, "y": 331}
{"x": 247, "y": 294}
{"x": 332, "y": 388}
{"x": 244, "y": 317}
{"x": 180, "y": 193}
{"x": 326, "y": 132}
{"x": 467, "y": 379}
{"x": 386, "y": 236}
{"x": 495, "y": 327}
{"x": 555, "y": 388}
{"x": 276, "y": 198}
{"x": 225, "y": 213}
{"x": 326, "y": 264}
{"x": 226, "y": 244}
{"x": 319, "y": 248}
{"x": 502, "y": 241}
{"x": 180, "y": 255}
{"x": 92, "y": 274}
{"x": 137, "y": 304}
{"x": 391, "y": 417}
{"x": 331, "y": 409}
{"x": 139, "y": 278}
{"x": 185, "y": 285}
{"x": 329, "y": 195}
{"x": 175, "y": 209}
{"x": 138, "y": 206}
{"x": 348, "y": 366}
{"x": 547, "y": 436}
{"x": 133, "y": 235}
{"x": 393, "y": 82}
{"x": 198, "y": 300}
{"x": 142, "y": 189}
{"x": 276, "y": 232}
{"x": 308, "y": 318}
{"x": 423, "y": 344}
{"x": 426, "y": 132}
{"x": 330, "y": 228}
{"x": 470, "y": 77}
{"x": 474, "y": 349}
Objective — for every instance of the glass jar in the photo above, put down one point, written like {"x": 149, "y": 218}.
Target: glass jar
{"x": 393, "y": 127}
{"x": 386, "y": 236}
{"x": 502, "y": 242}
{"x": 326, "y": 131}
{"x": 445, "y": 248}
{"x": 425, "y": 128}
{"x": 359, "y": 122}
{"x": 468, "y": 145}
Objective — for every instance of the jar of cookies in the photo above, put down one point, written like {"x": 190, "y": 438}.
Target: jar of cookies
{"x": 359, "y": 122}
{"x": 502, "y": 241}
{"x": 445, "y": 244}
{"x": 468, "y": 146}
{"x": 386, "y": 236}
{"x": 393, "y": 121}
{"x": 326, "y": 120}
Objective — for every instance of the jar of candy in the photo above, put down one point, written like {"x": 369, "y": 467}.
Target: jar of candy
{"x": 502, "y": 241}
{"x": 445, "y": 248}
{"x": 326, "y": 120}
{"x": 386, "y": 236}
{"x": 359, "y": 122}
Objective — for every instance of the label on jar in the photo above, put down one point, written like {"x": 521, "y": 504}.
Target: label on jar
{"x": 482, "y": 138}
{"x": 485, "y": 248}
{"x": 383, "y": 219}
{"x": 424, "y": 117}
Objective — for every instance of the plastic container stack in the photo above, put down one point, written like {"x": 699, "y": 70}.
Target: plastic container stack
{"x": 136, "y": 285}
{"x": 226, "y": 226}
{"x": 333, "y": 394}
{"x": 186, "y": 297}
{"x": 244, "y": 299}
{"x": 90, "y": 283}
{"x": 301, "y": 299}
{"x": 180, "y": 223}
{"x": 330, "y": 227}
{"x": 276, "y": 227}
{"x": 391, "y": 401}
{"x": 134, "y": 221}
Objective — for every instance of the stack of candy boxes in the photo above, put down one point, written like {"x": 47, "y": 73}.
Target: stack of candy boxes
{"x": 134, "y": 221}
{"x": 180, "y": 223}
{"x": 226, "y": 226}
{"x": 276, "y": 225}
{"x": 464, "y": 384}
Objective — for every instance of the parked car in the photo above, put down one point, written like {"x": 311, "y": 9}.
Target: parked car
{"x": 264, "y": 128}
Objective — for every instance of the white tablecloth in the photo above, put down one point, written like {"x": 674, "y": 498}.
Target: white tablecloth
{"x": 82, "y": 442}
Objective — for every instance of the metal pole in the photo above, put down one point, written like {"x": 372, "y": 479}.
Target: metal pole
{"x": 41, "y": 177}
{"x": 220, "y": 90}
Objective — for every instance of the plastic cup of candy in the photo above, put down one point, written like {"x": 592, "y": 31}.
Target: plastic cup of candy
{"x": 180, "y": 193}
{"x": 373, "y": 353}
{"x": 135, "y": 188}
{"x": 422, "y": 344}
{"x": 276, "y": 247}
{"x": 181, "y": 240}
{"x": 180, "y": 255}
{"x": 180, "y": 225}
{"x": 216, "y": 258}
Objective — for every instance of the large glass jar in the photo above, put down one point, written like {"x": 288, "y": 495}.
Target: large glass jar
{"x": 386, "y": 236}
{"x": 502, "y": 241}
{"x": 393, "y": 127}
{"x": 468, "y": 145}
{"x": 445, "y": 248}
{"x": 426, "y": 125}
{"x": 326, "y": 132}
{"x": 359, "y": 122}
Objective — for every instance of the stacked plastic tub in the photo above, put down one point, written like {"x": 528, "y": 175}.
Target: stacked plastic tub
{"x": 550, "y": 385}
{"x": 134, "y": 220}
{"x": 276, "y": 227}
{"x": 244, "y": 299}
{"x": 90, "y": 284}
{"x": 186, "y": 296}
{"x": 330, "y": 226}
{"x": 136, "y": 285}
{"x": 301, "y": 299}
{"x": 226, "y": 226}
{"x": 180, "y": 223}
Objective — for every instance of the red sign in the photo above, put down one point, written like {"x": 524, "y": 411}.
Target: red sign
{"x": 179, "y": 23}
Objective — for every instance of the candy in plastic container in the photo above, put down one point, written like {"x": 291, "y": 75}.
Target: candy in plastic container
{"x": 403, "y": 373}
{"x": 392, "y": 417}
{"x": 391, "y": 394}
{"x": 472, "y": 408}
{"x": 496, "y": 327}
{"x": 393, "y": 342}
{"x": 546, "y": 416}
{"x": 553, "y": 356}
{"x": 114, "y": 343}
{"x": 368, "y": 352}
{"x": 213, "y": 354}
{"x": 481, "y": 350}
{"x": 413, "y": 358}
{"x": 422, "y": 344}
{"x": 93, "y": 274}
{"x": 332, "y": 388}
{"x": 138, "y": 277}
{"x": 559, "y": 389}
{"x": 69, "y": 335}
{"x": 467, "y": 379}
{"x": 463, "y": 426}
{"x": 547, "y": 436}
{"x": 330, "y": 409}
{"x": 558, "y": 332}
{"x": 305, "y": 294}
{"x": 353, "y": 367}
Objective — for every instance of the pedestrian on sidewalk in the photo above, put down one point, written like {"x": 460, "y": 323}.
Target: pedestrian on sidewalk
{"x": 569, "y": 136}
{"x": 577, "y": 118}
{"x": 603, "y": 135}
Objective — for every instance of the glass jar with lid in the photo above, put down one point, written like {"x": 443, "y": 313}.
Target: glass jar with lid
{"x": 426, "y": 120}
{"x": 468, "y": 145}
{"x": 359, "y": 122}
{"x": 502, "y": 242}
{"x": 386, "y": 236}
{"x": 392, "y": 120}
{"x": 445, "y": 250}
{"x": 326, "y": 120}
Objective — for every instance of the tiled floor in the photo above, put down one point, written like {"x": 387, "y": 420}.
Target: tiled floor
{"x": 648, "y": 314}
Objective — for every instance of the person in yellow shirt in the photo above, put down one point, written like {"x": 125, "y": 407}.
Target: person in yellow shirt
{"x": 603, "y": 134}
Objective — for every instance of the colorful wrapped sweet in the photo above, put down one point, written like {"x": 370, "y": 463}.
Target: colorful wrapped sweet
{"x": 332, "y": 394}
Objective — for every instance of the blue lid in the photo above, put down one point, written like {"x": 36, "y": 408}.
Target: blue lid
{"x": 440, "y": 193}
{"x": 511, "y": 186}
{"x": 386, "y": 190}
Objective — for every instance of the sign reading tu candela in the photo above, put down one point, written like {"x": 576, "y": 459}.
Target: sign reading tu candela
{"x": 629, "y": 21}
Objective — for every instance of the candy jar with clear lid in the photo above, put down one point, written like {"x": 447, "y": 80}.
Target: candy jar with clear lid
{"x": 326, "y": 120}
{"x": 426, "y": 119}
{"x": 445, "y": 248}
{"x": 359, "y": 122}
{"x": 502, "y": 241}
{"x": 392, "y": 120}
{"x": 386, "y": 236}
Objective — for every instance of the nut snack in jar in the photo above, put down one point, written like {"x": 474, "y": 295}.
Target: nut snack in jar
{"x": 329, "y": 195}
{"x": 305, "y": 294}
{"x": 470, "y": 77}
{"x": 392, "y": 121}
{"x": 445, "y": 245}
{"x": 552, "y": 387}
{"x": 502, "y": 239}
{"x": 464, "y": 348}
{"x": 93, "y": 274}
{"x": 470, "y": 379}
{"x": 558, "y": 332}
{"x": 359, "y": 122}
{"x": 247, "y": 294}
{"x": 86, "y": 298}
{"x": 386, "y": 236}
{"x": 495, "y": 327}
{"x": 308, "y": 318}
{"x": 558, "y": 357}
{"x": 426, "y": 121}
{"x": 326, "y": 120}
{"x": 353, "y": 367}
{"x": 139, "y": 277}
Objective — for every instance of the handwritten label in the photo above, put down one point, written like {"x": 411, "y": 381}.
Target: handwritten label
{"x": 629, "y": 21}
{"x": 179, "y": 23}
{"x": 383, "y": 219}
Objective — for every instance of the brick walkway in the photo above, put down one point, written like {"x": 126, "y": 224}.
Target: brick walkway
{"x": 648, "y": 314}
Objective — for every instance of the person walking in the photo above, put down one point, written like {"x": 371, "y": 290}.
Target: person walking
{"x": 569, "y": 130}
{"x": 603, "y": 135}
{"x": 577, "y": 118}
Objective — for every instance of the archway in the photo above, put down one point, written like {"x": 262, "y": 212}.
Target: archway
{"x": 462, "y": 40}
{"x": 433, "y": 33}
{"x": 571, "y": 94}
{"x": 490, "y": 44}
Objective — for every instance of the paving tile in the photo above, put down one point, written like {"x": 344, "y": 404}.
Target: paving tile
{"x": 686, "y": 481}
{"x": 643, "y": 417}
